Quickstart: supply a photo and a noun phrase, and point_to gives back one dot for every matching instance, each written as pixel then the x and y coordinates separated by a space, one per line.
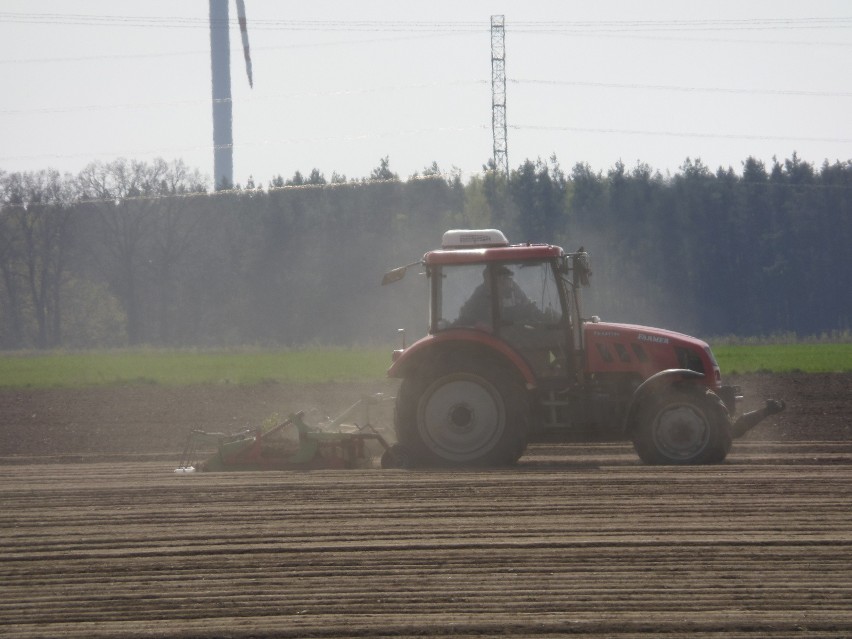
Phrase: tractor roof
pixel 463 246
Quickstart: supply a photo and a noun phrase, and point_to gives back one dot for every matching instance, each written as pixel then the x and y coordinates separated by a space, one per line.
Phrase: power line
pixel 405 38
pixel 261 98
pixel 680 134
pixel 257 24
pixel 752 24
pixel 688 89
pixel 434 85
pixel 695 38
pixel 206 52
pixel 429 30
pixel 658 27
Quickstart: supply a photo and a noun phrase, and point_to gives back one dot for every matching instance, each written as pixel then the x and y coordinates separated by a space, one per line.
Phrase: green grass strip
pixel 178 368
pixel 785 358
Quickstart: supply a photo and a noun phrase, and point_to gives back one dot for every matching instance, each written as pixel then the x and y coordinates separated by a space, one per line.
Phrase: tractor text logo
pixel 472 238
pixel 653 338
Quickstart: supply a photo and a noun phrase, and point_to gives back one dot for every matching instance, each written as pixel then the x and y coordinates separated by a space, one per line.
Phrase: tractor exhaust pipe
pixel 747 421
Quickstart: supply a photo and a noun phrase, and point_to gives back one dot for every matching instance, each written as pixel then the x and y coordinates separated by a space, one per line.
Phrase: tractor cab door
pixel 521 302
pixel 532 316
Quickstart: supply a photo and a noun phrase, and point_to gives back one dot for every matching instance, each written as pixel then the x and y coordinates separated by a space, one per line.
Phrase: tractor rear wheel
pixel 681 428
pixel 462 415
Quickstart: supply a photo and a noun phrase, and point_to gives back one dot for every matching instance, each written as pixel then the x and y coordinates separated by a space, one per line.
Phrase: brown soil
pixel 577 540
pixel 141 419
pixel 149 419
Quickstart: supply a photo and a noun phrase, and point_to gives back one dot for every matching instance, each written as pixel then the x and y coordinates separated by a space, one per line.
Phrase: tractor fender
pixel 460 343
pixel 654 384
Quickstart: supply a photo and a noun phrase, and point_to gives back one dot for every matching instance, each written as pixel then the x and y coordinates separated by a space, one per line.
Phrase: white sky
pixel 341 84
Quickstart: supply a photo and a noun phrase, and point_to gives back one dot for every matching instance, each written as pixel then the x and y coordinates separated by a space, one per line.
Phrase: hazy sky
pixel 339 85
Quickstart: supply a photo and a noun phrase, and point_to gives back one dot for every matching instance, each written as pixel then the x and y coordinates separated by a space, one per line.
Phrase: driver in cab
pixel 514 305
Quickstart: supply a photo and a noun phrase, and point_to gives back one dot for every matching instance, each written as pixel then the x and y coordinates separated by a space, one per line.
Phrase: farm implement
pixel 293 445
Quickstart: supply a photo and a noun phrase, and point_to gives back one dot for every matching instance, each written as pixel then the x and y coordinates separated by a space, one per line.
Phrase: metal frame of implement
pixel 323 447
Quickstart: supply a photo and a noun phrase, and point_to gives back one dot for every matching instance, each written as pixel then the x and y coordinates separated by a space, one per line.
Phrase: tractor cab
pixel 515 293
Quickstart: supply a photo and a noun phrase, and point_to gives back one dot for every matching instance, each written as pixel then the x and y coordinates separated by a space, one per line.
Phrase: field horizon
pixel 255 366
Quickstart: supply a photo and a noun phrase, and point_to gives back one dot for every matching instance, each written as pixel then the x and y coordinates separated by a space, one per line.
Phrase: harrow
pixel 293 445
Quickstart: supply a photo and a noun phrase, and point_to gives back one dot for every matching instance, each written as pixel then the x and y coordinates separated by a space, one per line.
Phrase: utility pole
pixel 498 93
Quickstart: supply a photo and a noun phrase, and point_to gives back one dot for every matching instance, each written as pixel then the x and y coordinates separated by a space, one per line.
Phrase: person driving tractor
pixel 514 305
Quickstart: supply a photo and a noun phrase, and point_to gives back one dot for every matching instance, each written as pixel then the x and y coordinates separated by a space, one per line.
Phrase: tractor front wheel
pixel 463 415
pixel 679 428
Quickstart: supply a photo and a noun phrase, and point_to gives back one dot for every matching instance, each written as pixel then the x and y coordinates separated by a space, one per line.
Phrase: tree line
pixel 132 253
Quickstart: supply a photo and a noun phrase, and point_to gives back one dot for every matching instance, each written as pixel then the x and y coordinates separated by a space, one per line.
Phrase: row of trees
pixel 130 253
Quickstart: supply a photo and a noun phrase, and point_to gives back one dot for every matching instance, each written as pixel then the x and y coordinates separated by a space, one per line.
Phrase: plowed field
pixel 577 540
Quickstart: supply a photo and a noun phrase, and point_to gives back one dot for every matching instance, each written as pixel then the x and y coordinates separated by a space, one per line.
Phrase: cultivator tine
pixel 191 448
pixel 188 455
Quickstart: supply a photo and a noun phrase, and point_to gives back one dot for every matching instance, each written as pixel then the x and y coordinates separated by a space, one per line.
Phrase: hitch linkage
pixel 749 420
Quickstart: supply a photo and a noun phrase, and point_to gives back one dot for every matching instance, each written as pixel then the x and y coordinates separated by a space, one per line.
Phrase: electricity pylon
pixel 498 93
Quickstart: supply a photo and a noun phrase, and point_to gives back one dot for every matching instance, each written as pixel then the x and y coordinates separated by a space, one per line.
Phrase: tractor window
pixel 525 293
pixel 455 285
pixel 530 294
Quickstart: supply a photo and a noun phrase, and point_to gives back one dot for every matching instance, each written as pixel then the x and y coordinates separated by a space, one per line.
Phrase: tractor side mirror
pixel 398 273
pixel 394 276
pixel 581 266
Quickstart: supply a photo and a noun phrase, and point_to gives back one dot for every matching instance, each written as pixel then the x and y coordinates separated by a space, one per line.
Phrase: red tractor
pixel 509 358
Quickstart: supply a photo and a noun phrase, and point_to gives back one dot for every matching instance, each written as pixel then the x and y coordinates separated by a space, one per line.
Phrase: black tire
pixel 462 415
pixel 719 412
pixel 679 427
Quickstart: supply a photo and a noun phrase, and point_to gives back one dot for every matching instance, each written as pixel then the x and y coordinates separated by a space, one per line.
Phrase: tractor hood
pixel 626 348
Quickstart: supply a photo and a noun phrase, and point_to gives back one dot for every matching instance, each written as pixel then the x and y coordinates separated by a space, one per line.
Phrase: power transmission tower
pixel 498 93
